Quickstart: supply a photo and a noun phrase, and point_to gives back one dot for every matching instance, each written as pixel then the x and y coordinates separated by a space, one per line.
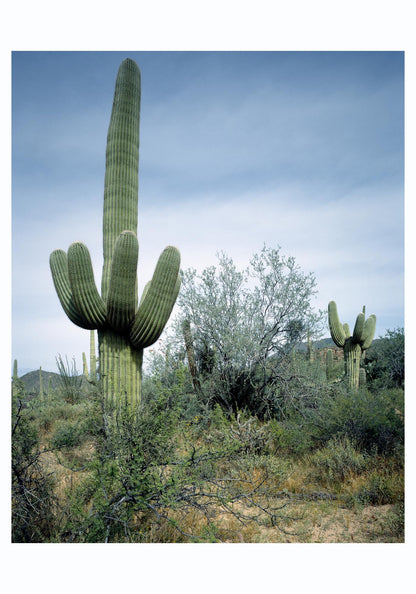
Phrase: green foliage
pixel 289 436
pixel 70 381
pixel 378 489
pixel 124 327
pixel 336 461
pixel 373 421
pixel 245 325
pixel 67 435
pixel 33 500
pixel 384 362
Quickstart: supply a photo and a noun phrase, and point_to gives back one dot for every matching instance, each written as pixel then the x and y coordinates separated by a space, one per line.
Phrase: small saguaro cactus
pixel 15 375
pixel 362 378
pixel 190 352
pixel 354 345
pixel 92 375
pixel 41 392
pixel 329 364
pixel 124 326
pixel 309 350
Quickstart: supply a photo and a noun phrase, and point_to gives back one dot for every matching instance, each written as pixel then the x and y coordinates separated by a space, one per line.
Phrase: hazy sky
pixel 302 150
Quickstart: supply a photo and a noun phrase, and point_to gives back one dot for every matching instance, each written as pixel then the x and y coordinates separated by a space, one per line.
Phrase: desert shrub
pixel 70 381
pixel 336 461
pixel 379 489
pixel 384 361
pixel 67 434
pixel 33 500
pixel 290 436
pixel 373 421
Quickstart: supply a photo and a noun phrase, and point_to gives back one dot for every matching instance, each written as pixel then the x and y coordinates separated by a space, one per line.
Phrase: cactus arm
pixel 121 299
pixel 368 332
pixel 58 262
pixel 81 278
pixel 145 290
pixel 357 334
pixel 335 326
pixel 122 164
pixel 157 304
pixel 346 330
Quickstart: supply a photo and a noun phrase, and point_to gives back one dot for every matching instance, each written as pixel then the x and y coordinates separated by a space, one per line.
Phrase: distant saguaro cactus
pixel 15 375
pixel 41 392
pixel 91 376
pixel 329 364
pixel 190 352
pixel 354 345
pixel 124 326
pixel 362 378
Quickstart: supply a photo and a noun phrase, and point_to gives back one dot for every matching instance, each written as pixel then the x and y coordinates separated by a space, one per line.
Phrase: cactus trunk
pixel 120 368
pixel 352 358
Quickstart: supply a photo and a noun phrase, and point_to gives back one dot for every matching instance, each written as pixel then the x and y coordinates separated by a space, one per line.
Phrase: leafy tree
pixel 246 325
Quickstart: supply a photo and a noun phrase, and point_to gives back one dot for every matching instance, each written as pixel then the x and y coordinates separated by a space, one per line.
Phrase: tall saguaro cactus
pixel 124 326
pixel 354 345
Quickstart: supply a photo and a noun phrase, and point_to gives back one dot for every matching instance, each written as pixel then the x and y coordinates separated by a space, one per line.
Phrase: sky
pixel 302 150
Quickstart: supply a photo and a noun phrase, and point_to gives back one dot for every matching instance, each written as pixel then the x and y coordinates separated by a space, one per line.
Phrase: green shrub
pixel 33 500
pixel 336 461
pixel 379 489
pixel 292 437
pixel 373 421
pixel 67 435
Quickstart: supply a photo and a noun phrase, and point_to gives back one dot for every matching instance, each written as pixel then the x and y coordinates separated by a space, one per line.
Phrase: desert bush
pixel 379 489
pixel 33 500
pixel 384 361
pixel 373 421
pixel 67 434
pixel 336 461
pixel 290 436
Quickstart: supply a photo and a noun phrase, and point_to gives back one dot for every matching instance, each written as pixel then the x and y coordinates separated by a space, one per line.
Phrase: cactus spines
pixel 354 345
pixel 124 326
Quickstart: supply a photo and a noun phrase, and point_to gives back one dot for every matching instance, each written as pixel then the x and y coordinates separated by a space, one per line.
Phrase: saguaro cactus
pixel 92 375
pixel 329 364
pixel 354 345
pixel 41 392
pixel 190 352
pixel 124 327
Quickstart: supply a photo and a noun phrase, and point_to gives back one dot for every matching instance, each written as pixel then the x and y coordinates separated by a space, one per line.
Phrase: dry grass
pixel 297 520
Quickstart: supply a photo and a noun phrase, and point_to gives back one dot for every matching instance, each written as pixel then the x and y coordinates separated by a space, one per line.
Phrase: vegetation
pixel 186 469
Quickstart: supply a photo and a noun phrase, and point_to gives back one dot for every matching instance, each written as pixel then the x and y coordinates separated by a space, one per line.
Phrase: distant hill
pixel 324 343
pixel 31 381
